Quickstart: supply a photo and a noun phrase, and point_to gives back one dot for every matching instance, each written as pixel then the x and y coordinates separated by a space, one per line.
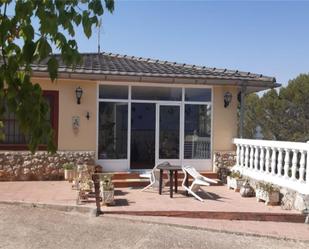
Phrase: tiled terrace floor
pixel 129 199
pixel 60 193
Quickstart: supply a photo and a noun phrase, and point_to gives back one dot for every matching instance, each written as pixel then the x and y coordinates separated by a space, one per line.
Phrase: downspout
pixel 242 110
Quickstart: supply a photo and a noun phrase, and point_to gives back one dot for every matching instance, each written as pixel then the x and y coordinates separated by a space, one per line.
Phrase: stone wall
pixel 223 162
pixel 23 165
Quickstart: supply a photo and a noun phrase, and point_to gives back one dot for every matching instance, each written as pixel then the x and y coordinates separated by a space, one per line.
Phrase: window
pixel 113 130
pixel 197 94
pixel 197 135
pixel 113 92
pixel 15 139
pixel 156 93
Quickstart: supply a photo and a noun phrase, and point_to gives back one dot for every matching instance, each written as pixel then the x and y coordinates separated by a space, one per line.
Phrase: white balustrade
pixel 285 164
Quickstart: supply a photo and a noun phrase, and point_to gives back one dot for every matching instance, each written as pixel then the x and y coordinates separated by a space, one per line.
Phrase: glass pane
pixel 169 132
pixel 198 94
pixel 143 131
pixel 113 130
pixel 156 93
pixel 113 92
pixel 197 137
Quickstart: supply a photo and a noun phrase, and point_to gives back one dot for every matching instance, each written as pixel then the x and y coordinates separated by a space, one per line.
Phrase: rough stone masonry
pixel 23 165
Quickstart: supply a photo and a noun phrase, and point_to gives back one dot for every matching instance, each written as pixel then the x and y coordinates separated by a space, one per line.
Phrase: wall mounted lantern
pixel 78 93
pixel 227 99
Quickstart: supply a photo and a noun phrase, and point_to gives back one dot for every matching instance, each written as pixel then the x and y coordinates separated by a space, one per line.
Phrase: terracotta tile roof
pixel 123 65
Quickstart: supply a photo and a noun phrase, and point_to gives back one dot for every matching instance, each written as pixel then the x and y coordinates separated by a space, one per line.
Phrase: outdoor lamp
pixel 227 99
pixel 79 93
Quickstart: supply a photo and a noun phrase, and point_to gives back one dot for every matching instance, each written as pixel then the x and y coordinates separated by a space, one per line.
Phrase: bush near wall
pixel 23 165
pixel 223 162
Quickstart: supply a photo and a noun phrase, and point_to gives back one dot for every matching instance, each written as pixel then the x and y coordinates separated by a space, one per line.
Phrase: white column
pixel 246 156
pixel 273 160
pixel 307 166
pixel 279 173
pixel 302 166
pixel 267 160
pixel 256 157
pixel 251 156
pixel 286 163
pixel 242 153
pixel 294 164
pixel 237 155
pixel 262 159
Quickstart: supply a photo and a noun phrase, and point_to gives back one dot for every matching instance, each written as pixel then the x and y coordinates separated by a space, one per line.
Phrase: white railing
pixel 285 164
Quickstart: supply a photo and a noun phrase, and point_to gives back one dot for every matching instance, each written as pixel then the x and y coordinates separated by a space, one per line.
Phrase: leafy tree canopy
pixel 282 115
pixel 22 44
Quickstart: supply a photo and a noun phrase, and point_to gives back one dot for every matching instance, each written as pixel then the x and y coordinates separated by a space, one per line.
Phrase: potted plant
pixel 68 171
pixel 267 192
pixel 107 189
pixel 235 180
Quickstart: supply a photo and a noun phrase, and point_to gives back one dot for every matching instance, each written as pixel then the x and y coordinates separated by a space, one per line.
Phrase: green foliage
pixel 22 44
pixel 68 166
pixel 267 187
pixel 236 175
pixel 281 115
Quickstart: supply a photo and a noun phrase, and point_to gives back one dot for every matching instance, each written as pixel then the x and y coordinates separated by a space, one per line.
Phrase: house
pixel 132 112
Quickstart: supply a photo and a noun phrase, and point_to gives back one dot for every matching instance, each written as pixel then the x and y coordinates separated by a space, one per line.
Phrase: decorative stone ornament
pixel 246 190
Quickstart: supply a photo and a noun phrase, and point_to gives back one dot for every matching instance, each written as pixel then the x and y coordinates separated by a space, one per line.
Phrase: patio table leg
pixel 187 185
pixel 171 183
pixel 160 181
pixel 176 181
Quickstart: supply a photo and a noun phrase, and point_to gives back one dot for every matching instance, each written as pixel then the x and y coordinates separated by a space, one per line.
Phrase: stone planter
pixel 69 174
pixel 270 198
pixel 107 197
pixel 234 183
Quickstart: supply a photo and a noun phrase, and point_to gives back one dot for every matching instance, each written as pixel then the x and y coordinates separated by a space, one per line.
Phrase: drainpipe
pixel 242 110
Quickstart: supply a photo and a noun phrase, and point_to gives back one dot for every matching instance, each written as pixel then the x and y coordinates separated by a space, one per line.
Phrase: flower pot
pixel 107 197
pixel 270 198
pixel 234 183
pixel 68 174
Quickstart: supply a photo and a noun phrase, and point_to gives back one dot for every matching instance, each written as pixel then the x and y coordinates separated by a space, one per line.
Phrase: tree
pixel 22 44
pixel 282 115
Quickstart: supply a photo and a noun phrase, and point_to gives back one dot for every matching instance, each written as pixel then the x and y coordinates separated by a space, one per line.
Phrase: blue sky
pixel 269 37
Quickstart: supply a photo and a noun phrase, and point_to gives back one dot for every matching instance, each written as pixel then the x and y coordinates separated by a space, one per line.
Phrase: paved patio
pixel 134 200
pixel 130 202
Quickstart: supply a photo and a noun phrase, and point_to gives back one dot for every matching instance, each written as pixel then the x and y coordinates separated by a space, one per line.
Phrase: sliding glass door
pixel 169 132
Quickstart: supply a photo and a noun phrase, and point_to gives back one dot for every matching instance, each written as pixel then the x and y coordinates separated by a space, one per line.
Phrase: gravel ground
pixel 25 227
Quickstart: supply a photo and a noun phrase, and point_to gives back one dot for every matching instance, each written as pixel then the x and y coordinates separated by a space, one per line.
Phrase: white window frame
pixel 124 164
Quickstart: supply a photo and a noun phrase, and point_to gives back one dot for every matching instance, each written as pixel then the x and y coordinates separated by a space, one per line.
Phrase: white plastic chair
pixel 198 182
pixel 154 177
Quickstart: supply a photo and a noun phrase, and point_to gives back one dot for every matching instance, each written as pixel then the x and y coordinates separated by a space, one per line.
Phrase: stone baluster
pixel 280 159
pixel 294 164
pixel 246 156
pixel 256 157
pixel 273 160
pixel 242 153
pixel 262 159
pixel 251 156
pixel 286 163
pixel 302 166
pixel 237 155
pixel 267 160
pixel 307 166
